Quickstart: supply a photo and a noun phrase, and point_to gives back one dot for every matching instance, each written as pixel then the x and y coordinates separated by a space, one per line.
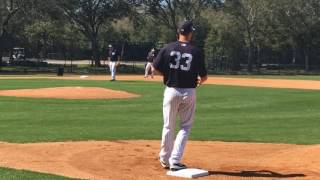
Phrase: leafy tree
pixel 223 45
pixel 90 15
pixel 248 15
pixel 301 24
pixel 43 33
pixel 170 12
pixel 231 31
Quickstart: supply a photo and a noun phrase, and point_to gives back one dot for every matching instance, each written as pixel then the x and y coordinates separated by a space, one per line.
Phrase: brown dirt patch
pixel 268 83
pixel 138 159
pixel 69 93
pixel 248 82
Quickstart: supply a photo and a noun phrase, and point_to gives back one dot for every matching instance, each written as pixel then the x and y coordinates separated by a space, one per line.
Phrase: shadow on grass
pixel 263 173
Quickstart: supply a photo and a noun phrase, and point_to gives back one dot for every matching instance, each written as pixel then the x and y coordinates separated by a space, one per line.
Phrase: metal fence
pixel 72 54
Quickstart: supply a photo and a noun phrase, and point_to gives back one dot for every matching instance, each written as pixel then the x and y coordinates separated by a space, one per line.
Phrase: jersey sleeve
pixel 202 67
pixel 149 57
pixel 158 62
pixel 110 53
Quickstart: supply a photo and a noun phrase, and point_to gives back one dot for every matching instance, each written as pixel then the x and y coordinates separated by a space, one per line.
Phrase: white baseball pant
pixel 182 102
pixel 112 66
pixel 148 68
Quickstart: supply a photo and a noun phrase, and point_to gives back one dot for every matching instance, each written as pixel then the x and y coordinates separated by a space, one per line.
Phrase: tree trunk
pixel 306 60
pixel 250 50
pixel 258 58
pixel 95 51
pixel 250 58
pixel 1 54
pixel 1 47
pixel 45 47
pixel 294 55
pixel 122 50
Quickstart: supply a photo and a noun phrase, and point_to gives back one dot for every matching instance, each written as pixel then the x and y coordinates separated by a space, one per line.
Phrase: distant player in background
pixel 113 61
pixel 149 67
pixel 183 69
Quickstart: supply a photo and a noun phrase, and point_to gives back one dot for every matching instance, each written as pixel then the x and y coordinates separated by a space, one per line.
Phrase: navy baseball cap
pixel 185 27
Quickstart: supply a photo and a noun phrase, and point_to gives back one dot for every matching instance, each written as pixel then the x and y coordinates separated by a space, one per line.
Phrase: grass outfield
pixel 223 113
pixel 10 174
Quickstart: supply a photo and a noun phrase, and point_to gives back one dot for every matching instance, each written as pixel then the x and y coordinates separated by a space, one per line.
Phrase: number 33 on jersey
pixel 182 61
pixel 180 64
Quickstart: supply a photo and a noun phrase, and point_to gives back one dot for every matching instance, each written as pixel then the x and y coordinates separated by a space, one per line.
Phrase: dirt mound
pixel 138 159
pixel 69 93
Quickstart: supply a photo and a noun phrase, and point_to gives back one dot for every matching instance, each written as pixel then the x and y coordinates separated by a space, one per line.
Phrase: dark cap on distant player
pixel 185 27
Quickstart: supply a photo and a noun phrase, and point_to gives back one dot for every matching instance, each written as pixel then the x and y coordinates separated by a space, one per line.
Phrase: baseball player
pixel 149 66
pixel 113 61
pixel 183 69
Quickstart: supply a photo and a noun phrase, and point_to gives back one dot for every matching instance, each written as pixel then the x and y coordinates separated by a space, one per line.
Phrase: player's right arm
pixel 149 57
pixel 158 63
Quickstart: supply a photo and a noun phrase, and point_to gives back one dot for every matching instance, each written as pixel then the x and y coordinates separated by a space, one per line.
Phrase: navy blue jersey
pixel 113 54
pixel 151 56
pixel 181 64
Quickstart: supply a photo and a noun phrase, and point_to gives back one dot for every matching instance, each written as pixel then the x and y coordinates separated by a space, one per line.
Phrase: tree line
pixel 239 33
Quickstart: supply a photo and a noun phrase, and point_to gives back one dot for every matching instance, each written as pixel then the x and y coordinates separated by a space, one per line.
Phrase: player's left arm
pixel 202 69
pixel 118 59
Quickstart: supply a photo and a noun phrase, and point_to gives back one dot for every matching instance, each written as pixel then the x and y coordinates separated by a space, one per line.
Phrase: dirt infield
pixel 248 82
pixel 138 159
pixel 69 93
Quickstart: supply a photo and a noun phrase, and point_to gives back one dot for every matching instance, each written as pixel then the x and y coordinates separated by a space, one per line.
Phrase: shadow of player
pixel 262 173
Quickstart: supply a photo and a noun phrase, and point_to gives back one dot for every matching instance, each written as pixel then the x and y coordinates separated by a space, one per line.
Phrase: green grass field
pixel 224 113
pixel 10 174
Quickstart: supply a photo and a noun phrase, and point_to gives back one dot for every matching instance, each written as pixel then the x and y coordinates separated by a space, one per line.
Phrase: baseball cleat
pixel 164 164
pixel 177 167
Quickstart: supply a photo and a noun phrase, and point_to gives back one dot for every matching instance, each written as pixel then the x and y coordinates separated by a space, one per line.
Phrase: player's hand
pixel 198 81
pixel 201 80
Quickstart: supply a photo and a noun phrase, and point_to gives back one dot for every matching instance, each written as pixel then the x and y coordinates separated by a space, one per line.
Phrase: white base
pixel 84 76
pixel 189 173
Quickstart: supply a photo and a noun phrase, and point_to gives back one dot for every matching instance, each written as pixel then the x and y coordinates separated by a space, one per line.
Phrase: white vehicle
pixel 18 54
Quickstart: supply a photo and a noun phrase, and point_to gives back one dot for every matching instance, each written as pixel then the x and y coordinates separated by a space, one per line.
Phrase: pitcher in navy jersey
pixel 113 61
pixel 183 69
